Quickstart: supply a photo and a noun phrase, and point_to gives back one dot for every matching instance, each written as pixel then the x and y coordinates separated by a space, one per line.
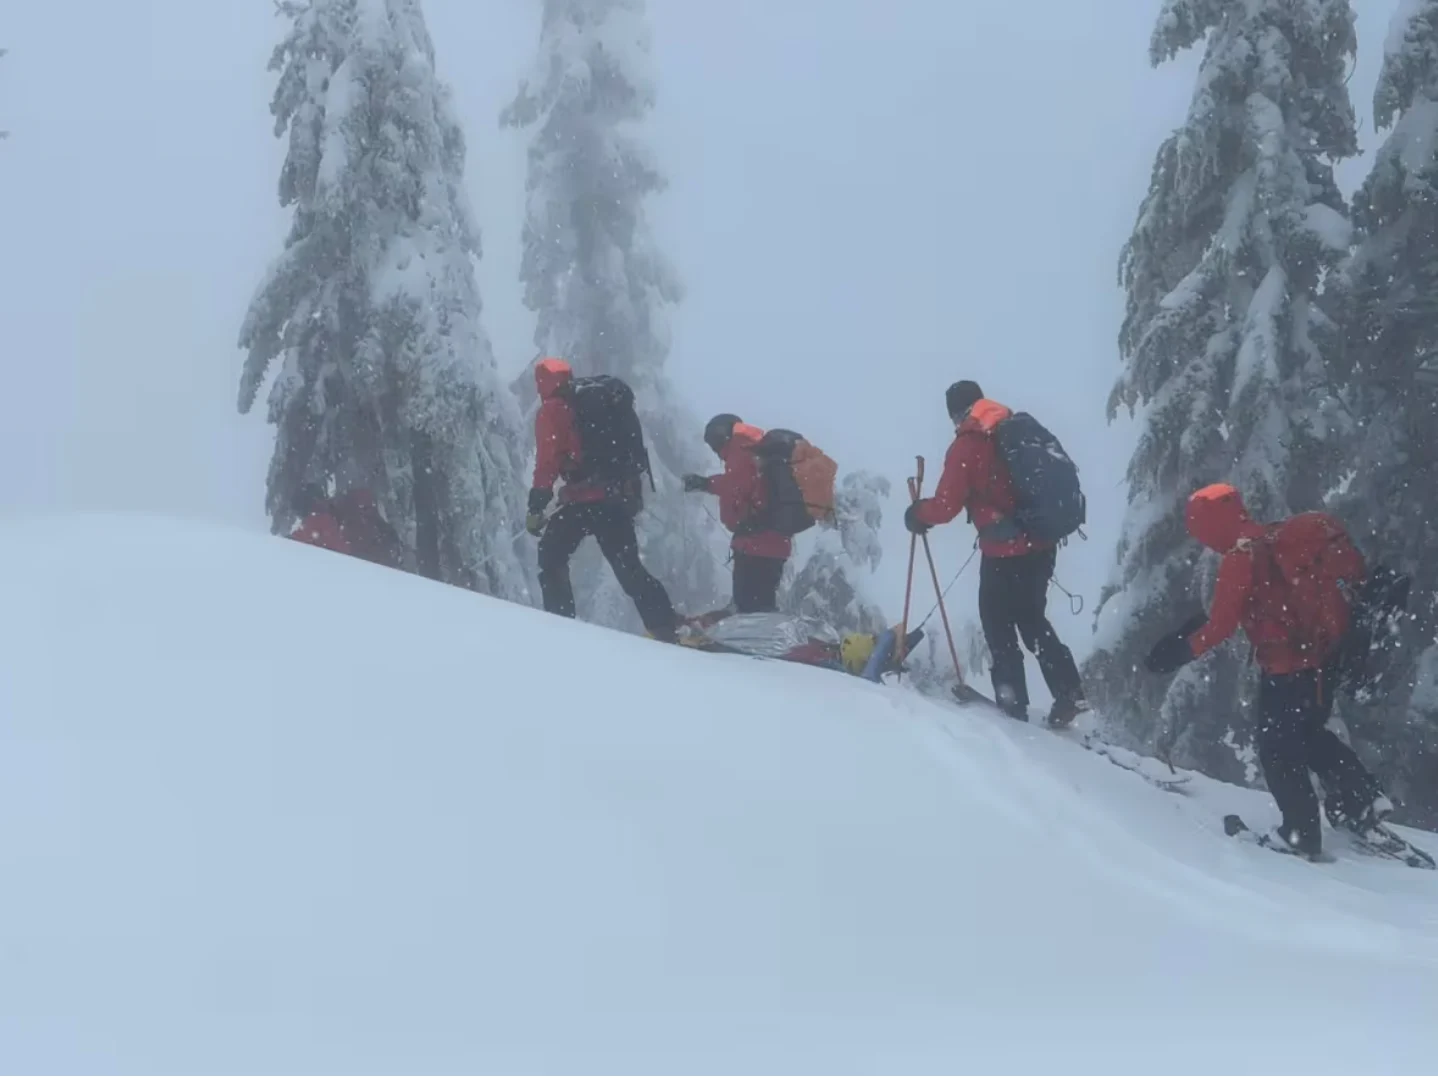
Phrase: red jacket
pixel 321 529
pixel 743 496
pixel 351 524
pixel 556 438
pixel 976 479
pixel 1216 517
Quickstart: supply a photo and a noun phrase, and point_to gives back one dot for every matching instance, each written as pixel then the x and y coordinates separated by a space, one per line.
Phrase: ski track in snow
pixel 266 808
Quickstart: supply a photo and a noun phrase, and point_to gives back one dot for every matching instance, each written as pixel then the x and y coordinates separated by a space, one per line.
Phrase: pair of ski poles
pixel 916 486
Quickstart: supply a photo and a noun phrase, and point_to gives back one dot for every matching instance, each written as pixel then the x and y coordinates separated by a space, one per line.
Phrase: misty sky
pixel 869 200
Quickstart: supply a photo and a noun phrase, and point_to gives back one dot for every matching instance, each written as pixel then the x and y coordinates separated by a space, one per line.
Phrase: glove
pixel 693 483
pixel 534 524
pixel 912 521
pixel 539 499
pixel 1174 650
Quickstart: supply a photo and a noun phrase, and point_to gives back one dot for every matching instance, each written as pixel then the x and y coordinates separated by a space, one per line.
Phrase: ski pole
pixel 915 485
pixel 943 612
pixel 947 587
pixel 504 548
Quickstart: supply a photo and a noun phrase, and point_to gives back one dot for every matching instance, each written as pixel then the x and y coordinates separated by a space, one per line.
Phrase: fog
pixel 868 201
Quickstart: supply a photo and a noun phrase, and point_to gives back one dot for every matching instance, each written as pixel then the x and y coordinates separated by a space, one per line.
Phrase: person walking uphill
pixel 1284 584
pixel 1018 540
pixel 759 552
pixel 587 434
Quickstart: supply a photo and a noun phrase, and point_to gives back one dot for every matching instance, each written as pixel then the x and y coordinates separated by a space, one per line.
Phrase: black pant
pixel 613 526
pixel 756 583
pixel 1013 596
pixel 1293 740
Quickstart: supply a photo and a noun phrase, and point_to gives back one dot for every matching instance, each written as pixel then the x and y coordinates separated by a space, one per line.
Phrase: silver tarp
pixel 769 635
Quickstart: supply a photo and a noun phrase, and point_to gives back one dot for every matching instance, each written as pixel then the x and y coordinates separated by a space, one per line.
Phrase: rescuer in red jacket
pixel 349 523
pixel 1295 648
pixel 1014 571
pixel 589 504
pixel 759 553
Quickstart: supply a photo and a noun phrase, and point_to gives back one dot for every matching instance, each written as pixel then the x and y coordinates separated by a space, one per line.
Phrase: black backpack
pixel 784 510
pixel 798 480
pixel 1050 504
pixel 1375 634
pixel 611 440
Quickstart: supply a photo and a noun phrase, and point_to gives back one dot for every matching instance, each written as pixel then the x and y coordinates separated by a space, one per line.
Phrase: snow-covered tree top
pixel 1291 51
pixel 597 49
pixel 380 174
pixel 1410 62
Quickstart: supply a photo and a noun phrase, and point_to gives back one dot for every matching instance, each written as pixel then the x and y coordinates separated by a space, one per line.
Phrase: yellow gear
pixel 855 650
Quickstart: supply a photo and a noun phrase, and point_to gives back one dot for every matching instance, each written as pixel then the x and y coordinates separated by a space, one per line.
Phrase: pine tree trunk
pixel 291 474
pixel 426 506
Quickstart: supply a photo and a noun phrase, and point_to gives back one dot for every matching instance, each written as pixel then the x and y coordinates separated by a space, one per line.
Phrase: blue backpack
pixel 1051 506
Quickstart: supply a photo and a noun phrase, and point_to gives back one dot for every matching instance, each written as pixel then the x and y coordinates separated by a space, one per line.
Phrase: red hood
pixel 1217 519
pixel 984 416
pixel 549 375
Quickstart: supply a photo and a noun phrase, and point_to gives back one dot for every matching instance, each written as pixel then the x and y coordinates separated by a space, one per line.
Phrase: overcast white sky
pixel 869 200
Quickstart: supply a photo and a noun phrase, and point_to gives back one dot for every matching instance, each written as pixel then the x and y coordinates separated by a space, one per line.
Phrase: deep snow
pixel 267 808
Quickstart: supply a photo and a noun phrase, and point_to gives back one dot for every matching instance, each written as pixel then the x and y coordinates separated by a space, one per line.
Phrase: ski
pixel 1386 843
pixel 1383 841
pixel 1234 827
pixel 965 693
pixel 1132 761
pixel 1121 758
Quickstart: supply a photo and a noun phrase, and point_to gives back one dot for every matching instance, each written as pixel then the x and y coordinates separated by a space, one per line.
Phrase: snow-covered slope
pixel 266 808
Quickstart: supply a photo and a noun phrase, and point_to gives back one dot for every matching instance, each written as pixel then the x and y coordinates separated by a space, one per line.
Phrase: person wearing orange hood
pixel 1295 623
pixel 759 552
pixel 1015 570
pixel 603 506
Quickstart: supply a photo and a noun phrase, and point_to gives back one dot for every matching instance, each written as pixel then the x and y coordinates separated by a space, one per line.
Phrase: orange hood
pixel 745 436
pixel 984 416
pixel 549 375
pixel 1217 518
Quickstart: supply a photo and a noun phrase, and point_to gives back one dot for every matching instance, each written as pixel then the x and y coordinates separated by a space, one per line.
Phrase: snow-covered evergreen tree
pixel 1389 305
pixel 600 287
pixel 385 376
pixel 1225 346
pixel 830 585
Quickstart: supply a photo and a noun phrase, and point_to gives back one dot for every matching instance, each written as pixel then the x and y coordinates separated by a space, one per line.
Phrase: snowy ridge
pixel 235 841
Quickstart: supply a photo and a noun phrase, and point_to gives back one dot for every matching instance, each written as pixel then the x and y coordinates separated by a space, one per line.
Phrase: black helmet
pixel 719 430
pixel 962 396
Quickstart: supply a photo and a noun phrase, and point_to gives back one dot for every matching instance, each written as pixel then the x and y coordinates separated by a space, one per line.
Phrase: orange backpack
pixel 815 472
pixel 1311 565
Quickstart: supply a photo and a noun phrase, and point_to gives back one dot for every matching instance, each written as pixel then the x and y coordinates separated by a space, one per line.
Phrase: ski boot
pixel 1009 703
pixel 1373 816
pixel 1290 839
pixel 1063 713
pixel 1361 822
